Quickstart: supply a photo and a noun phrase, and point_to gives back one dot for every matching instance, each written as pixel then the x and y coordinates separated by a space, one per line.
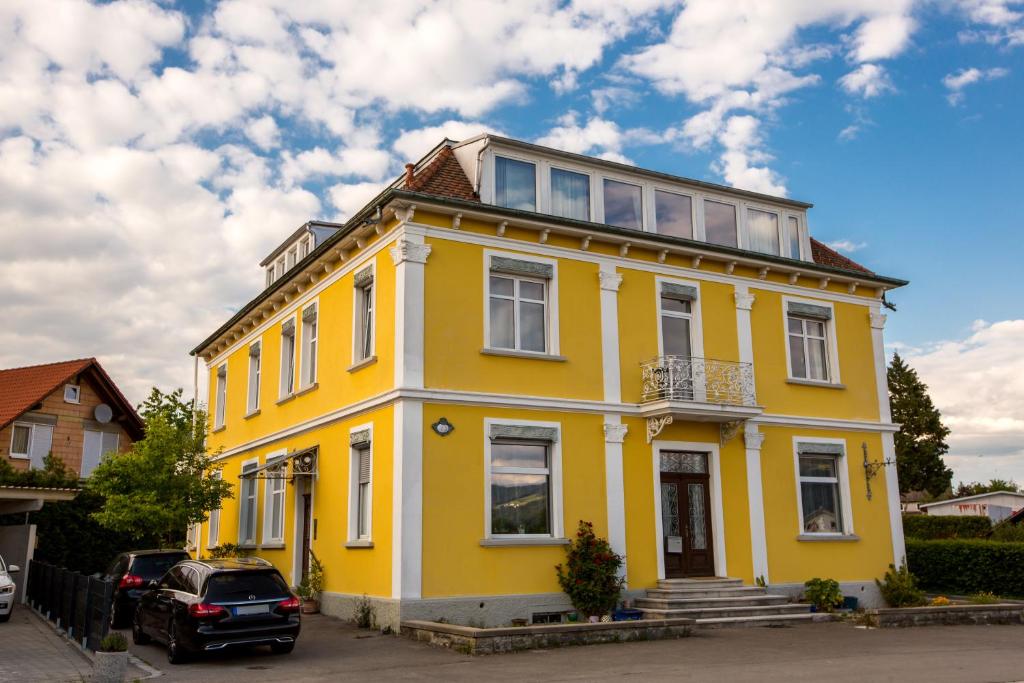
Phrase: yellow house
pixel 510 339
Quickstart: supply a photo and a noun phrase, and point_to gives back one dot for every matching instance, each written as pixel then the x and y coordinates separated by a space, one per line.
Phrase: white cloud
pixel 848 246
pixel 348 198
pixel 867 80
pixel 957 81
pixel 263 132
pixel 883 37
pixel 978 385
pixel 741 141
pixel 411 145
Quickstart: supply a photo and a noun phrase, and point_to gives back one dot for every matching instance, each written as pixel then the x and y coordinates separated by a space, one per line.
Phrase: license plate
pixel 245 610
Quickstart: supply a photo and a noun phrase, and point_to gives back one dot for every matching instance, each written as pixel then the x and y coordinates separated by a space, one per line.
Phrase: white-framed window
pixel 213 527
pixel 793 238
pixel 521 301
pixel 21 440
pixel 247 505
pixel 364 305
pixel 270 275
pixel 220 411
pixel 720 223
pixel 677 310
pixel 522 464
pixel 96 444
pixel 811 350
pixel 673 214
pixel 279 268
pixel 515 183
pixel 255 371
pixel 192 537
pixel 823 488
pixel 309 345
pixel 287 383
pixel 31 441
pixel 304 247
pixel 291 255
pixel 273 502
pixel 623 204
pixel 360 517
pixel 763 231
pixel 570 194
pixel 72 393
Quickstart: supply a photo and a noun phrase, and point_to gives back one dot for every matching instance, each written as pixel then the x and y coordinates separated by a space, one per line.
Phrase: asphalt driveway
pixel 331 650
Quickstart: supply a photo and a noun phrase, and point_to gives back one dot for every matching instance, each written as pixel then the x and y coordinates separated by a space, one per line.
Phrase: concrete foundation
pixel 867 593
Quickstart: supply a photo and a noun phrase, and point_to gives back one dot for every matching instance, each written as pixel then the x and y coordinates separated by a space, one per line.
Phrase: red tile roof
pixel 829 257
pixel 443 177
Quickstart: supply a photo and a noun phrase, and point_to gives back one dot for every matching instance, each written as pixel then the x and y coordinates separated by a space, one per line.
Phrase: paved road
pixel 330 650
pixel 30 650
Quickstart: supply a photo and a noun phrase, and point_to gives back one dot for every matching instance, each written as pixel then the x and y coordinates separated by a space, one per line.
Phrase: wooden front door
pixel 686 515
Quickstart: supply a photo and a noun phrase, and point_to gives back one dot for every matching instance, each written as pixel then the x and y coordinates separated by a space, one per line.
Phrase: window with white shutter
pixel 360 527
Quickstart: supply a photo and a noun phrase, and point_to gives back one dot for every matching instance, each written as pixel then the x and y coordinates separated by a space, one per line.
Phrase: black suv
pixel 131 573
pixel 207 605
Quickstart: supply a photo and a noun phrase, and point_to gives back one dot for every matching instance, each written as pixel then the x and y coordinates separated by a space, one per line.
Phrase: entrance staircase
pixel 719 601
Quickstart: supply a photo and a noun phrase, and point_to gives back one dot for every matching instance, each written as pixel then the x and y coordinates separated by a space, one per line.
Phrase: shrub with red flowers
pixel 590 575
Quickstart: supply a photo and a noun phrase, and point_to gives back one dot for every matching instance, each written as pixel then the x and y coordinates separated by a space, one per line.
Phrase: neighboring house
pixel 510 339
pixel 997 506
pixel 910 502
pixel 71 408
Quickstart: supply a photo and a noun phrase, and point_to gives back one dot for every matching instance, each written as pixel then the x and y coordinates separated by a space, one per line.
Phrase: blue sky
pixel 165 148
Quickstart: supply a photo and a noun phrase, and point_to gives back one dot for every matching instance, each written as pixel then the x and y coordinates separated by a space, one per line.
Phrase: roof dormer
pixel 293 250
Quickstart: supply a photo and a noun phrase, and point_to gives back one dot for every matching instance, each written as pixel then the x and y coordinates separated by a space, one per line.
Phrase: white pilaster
pixel 614 434
pixel 410 257
pixel 892 483
pixel 744 302
pixel 753 439
pixel 407 506
pixel 610 282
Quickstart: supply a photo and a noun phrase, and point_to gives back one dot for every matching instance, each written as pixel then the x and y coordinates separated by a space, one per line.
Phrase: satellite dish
pixel 103 413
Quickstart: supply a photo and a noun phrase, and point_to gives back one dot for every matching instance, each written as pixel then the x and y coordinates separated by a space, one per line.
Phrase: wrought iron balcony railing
pixel 683 378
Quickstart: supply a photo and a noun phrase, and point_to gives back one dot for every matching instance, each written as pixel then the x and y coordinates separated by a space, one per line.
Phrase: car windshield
pixel 154 566
pixel 229 586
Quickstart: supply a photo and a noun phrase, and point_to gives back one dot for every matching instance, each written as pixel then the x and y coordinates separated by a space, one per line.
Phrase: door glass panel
pixel 690 463
pixel 676 336
pixel 698 527
pixel 670 509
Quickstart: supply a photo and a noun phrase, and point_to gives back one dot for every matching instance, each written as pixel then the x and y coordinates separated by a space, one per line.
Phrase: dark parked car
pixel 131 573
pixel 207 605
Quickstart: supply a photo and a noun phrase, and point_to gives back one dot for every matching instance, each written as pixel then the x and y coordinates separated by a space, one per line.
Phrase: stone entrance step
pixel 768 620
pixel 708 582
pixel 700 613
pixel 720 601
pixel 699 601
pixel 724 592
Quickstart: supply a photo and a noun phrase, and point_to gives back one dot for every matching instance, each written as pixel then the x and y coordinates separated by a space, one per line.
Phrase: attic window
pixel 72 393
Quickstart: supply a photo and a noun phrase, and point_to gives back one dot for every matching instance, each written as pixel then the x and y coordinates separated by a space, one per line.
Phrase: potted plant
pixel 591 574
pixel 311 586
pixel 823 594
pixel 111 661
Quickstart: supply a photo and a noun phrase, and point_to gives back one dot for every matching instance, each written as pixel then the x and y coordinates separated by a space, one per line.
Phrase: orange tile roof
pixel 443 177
pixel 830 257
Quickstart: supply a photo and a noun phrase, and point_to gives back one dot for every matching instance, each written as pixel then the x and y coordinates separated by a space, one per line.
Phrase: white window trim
pixel 555 476
pixel 250 409
pixel 831 342
pixel 714 490
pixel 31 437
pixel 220 409
pixel 592 182
pixel 780 229
pixel 696 324
pixel 77 391
pixel 268 522
pixel 292 254
pixel 304 381
pixel 242 504
pixel 801 231
pixel 740 209
pixel 845 503
pixel 652 224
pixel 493 184
pixel 353 489
pixel 357 315
pixel 213 530
pixel 645 190
pixel 551 314
pixel 282 390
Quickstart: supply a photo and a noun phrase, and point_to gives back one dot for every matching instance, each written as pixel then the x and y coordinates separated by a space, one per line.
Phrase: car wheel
pixel 6 617
pixel 138 636
pixel 176 653
pixel 282 648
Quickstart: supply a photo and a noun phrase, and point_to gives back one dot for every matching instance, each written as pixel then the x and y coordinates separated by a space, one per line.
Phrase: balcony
pixel 698 389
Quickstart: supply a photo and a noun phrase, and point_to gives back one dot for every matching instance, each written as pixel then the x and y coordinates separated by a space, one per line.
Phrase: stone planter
pixel 310 606
pixel 109 667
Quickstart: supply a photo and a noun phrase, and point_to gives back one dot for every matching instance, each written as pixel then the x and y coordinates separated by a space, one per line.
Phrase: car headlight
pixel 4 590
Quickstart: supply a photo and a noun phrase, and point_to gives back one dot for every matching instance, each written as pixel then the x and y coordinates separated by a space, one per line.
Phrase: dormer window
pixel 673 214
pixel 279 268
pixel 515 184
pixel 794 237
pixel 623 206
pixel 719 223
pixel 304 247
pixel 570 194
pixel 763 231
pixel 72 393
pixel 292 253
pixel 270 276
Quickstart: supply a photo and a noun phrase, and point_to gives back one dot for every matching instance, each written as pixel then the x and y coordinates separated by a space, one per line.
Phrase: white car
pixel 7 589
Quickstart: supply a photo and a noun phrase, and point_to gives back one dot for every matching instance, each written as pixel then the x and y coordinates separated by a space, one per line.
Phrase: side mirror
pixel 13 569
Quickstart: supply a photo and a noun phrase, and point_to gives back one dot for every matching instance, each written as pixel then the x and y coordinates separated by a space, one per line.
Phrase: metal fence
pixel 77 603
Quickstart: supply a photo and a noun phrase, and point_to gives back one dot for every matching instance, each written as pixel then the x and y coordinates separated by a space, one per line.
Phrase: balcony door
pixel 677 345
pixel 687 541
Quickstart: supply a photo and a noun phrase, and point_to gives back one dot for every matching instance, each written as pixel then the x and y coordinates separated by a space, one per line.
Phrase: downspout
pixel 480 165
pixel 195 387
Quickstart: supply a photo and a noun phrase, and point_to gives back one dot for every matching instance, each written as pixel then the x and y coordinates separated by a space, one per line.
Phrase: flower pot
pixel 110 667
pixel 310 606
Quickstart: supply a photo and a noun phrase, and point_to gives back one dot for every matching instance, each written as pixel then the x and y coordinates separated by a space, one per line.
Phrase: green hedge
pixel 963 567
pixel 926 527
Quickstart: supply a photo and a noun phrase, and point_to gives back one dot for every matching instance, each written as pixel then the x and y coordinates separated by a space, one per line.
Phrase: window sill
pixel 272 546
pixel 286 398
pixel 815 383
pixel 18 456
pixel 306 390
pixel 358 365
pixel 825 538
pixel 252 414
pixel 248 546
pixel 219 429
pixel 499 542
pixel 509 353
pixel 360 543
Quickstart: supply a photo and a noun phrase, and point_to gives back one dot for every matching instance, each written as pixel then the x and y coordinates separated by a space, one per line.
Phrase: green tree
pixel 974 488
pixel 162 484
pixel 921 441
